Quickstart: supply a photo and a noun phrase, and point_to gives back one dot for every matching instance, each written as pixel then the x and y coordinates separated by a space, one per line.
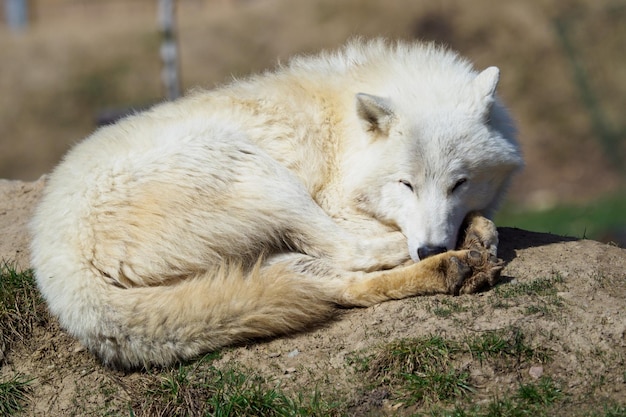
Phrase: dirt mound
pixel 566 296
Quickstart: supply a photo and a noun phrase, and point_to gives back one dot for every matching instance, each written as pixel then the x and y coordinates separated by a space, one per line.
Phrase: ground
pixel 565 299
pixel 564 296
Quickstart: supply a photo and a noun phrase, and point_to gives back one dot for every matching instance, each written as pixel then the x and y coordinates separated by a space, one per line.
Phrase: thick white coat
pixel 185 228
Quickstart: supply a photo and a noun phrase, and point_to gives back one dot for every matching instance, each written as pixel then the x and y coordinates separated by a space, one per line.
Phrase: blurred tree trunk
pixel 169 49
pixel 16 13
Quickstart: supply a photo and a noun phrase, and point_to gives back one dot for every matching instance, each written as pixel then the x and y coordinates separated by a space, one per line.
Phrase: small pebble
pixel 536 371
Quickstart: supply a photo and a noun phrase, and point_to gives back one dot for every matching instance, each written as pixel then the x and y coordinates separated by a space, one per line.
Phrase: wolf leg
pixel 454 272
pixel 479 233
pixel 320 238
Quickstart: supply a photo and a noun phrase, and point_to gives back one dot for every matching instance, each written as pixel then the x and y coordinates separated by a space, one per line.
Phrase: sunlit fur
pixel 254 209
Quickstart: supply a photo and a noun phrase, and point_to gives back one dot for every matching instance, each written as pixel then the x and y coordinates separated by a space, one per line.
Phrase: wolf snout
pixel 424 252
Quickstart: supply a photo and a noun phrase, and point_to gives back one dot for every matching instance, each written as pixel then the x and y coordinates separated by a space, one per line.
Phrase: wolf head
pixel 430 155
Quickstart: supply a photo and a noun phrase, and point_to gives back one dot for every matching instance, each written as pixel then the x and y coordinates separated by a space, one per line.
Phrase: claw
pixel 475 255
pixel 479 233
pixel 479 267
pixel 478 270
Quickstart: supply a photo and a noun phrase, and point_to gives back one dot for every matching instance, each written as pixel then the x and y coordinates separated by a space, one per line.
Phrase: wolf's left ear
pixel 486 83
pixel 375 113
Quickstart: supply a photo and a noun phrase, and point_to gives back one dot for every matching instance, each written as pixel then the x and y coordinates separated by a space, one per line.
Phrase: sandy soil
pixel 583 326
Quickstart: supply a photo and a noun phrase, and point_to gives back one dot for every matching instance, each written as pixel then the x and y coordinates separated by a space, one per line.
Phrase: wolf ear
pixel 375 113
pixel 486 83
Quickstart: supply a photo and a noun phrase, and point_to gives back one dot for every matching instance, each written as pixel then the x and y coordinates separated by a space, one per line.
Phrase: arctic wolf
pixel 255 209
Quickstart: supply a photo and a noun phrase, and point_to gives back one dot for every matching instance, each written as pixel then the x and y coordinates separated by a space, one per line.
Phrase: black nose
pixel 426 251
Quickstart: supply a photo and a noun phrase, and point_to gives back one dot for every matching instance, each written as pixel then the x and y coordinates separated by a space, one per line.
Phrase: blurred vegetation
pixel 563 77
pixel 601 219
pixel 612 138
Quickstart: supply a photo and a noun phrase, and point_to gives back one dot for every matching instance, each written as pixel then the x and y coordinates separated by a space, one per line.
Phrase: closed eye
pixel 407 184
pixel 458 184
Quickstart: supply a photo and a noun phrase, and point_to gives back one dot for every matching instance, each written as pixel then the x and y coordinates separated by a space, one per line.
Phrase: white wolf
pixel 255 209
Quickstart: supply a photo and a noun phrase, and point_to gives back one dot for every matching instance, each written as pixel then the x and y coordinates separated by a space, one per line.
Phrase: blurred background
pixel 66 63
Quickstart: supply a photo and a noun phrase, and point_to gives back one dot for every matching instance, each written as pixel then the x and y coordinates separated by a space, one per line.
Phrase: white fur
pixel 150 239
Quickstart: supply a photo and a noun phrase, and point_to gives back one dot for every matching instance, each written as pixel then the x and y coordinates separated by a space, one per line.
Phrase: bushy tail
pixel 163 324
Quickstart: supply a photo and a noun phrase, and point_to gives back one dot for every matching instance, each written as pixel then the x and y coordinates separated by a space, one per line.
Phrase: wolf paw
pixel 469 271
pixel 479 234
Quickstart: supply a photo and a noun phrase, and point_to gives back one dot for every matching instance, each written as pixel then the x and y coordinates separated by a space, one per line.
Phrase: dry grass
pixel 433 369
pixel 21 306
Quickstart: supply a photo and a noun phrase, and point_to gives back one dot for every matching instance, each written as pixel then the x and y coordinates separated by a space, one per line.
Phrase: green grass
pixel 538 296
pixel 20 305
pixel 434 376
pixel 507 346
pixel 447 307
pixel 428 370
pixel 592 220
pixel 545 392
pixel 539 287
pixel 209 391
pixel 610 410
pixel 20 309
pixel 422 369
pixel 531 399
pixel 13 395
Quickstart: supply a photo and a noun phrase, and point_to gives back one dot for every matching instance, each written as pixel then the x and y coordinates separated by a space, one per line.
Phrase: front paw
pixel 469 271
pixel 479 233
